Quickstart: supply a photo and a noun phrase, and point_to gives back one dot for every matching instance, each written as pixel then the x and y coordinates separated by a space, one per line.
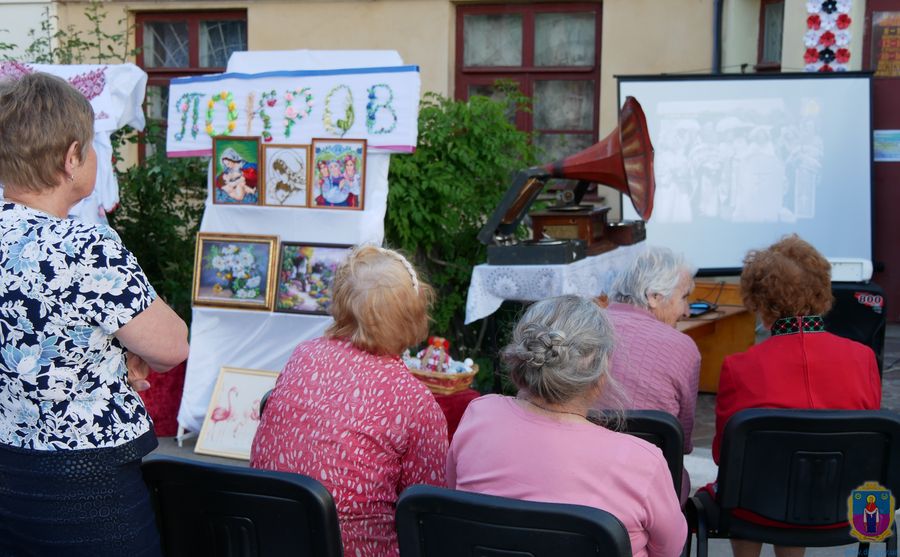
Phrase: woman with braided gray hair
pixel 540 446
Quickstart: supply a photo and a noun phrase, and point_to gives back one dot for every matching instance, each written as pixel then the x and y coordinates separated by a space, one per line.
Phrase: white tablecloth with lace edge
pixel 591 276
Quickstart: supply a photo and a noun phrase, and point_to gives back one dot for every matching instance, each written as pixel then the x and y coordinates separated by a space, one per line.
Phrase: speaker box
pixel 858 314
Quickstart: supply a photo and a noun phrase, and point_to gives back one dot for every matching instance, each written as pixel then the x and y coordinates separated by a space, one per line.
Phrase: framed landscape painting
pixel 338 174
pixel 306 276
pixel 285 175
pixel 235 270
pixel 233 413
pixel 236 170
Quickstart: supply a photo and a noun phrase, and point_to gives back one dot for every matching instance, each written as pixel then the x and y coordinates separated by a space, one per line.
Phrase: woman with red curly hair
pixel 801 365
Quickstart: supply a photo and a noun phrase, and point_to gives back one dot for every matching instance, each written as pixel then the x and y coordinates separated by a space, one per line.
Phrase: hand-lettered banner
pixel 377 104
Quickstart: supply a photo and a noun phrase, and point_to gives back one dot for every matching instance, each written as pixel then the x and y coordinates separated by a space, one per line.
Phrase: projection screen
pixel 742 160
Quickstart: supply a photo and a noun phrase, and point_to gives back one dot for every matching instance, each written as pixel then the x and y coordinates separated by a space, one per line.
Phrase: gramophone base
pixel 557 252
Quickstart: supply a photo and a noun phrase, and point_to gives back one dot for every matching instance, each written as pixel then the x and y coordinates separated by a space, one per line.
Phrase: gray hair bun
pixel 542 346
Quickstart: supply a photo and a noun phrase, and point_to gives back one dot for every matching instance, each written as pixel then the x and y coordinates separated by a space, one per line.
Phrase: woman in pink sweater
pixel 539 446
pixel 656 366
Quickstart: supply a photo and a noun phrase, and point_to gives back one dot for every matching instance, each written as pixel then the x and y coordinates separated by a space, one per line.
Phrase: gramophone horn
pixel 623 160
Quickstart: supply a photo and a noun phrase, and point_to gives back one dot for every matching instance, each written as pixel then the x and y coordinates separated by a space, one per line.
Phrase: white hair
pixel 656 270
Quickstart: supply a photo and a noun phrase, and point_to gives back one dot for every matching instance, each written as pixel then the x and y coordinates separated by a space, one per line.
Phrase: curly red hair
pixel 788 278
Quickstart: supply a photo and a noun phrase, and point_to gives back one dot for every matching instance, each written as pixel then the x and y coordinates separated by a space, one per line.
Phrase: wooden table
pixel 729 329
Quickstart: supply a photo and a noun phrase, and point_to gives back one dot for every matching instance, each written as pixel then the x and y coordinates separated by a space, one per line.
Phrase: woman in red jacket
pixel 801 365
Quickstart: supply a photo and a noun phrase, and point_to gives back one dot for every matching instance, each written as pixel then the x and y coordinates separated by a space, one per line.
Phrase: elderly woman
pixel 347 412
pixel 79 317
pixel 656 366
pixel 540 446
pixel 801 365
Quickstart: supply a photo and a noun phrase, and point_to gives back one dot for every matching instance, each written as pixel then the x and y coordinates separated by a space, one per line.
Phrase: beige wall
pixel 740 35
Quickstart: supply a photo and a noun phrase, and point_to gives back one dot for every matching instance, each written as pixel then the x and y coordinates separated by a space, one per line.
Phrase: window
pixel 552 51
pixel 177 44
pixel 771 25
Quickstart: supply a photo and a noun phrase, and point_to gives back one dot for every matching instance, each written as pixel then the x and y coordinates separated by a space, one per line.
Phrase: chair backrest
pixel 437 522
pixel 214 510
pixel 657 427
pixel 799 466
pixel 264 400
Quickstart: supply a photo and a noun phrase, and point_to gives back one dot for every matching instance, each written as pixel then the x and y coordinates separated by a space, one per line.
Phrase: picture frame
pixel 234 270
pixel 233 412
pixel 285 175
pixel 338 174
pixel 236 179
pixel 306 276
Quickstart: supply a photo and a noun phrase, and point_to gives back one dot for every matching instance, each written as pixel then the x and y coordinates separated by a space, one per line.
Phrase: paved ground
pixel 699 463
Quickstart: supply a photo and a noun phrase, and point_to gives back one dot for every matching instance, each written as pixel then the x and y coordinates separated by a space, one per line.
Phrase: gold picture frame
pixel 235 271
pixel 233 412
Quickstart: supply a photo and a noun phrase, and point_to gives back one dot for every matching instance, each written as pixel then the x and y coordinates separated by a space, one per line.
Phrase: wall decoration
pixel 886 44
pixel 886 145
pixel 285 175
pixel 338 174
pixel 827 38
pixel 377 104
pixel 236 167
pixel 233 413
pixel 234 270
pixel 306 275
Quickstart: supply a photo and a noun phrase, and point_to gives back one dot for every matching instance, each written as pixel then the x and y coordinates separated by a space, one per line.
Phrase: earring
pixel 71 178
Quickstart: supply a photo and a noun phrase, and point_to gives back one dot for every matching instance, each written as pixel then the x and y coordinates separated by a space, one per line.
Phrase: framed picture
pixel 285 175
pixel 338 174
pixel 236 170
pixel 233 413
pixel 234 270
pixel 306 276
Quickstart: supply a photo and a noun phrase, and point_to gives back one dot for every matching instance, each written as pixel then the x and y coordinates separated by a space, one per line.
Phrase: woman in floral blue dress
pixel 79 324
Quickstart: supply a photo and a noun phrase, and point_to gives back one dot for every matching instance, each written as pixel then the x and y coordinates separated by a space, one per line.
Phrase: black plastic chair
pixel 264 400
pixel 657 427
pixel 217 511
pixel 797 467
pixel 437 522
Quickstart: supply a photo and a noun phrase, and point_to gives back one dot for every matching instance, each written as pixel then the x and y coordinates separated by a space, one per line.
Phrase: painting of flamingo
pixel 233 413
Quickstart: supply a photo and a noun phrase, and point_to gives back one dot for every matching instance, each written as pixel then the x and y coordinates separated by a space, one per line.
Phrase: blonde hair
pixel 380 303
pixel 41 115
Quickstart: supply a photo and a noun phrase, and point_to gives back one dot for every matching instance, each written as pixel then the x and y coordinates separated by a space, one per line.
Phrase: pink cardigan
pixel 502 449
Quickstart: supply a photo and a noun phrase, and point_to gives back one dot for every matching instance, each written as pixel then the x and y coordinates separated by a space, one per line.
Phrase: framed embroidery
pixel 338 174
pixel 235 170
pixel 285 175
pixel 306 276
pixel 234 270
pixel 233 413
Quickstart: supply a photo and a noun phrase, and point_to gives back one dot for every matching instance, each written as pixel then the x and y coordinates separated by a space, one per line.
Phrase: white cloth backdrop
pixel 259 339
pixel 591 276
pixel 116 93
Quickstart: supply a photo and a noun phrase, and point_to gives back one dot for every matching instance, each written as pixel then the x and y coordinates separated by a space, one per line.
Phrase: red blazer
pixel 798 367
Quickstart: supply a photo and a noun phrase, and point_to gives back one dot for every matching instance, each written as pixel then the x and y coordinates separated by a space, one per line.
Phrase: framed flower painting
pixel 236 170
pixel 306 276
pixel 285 175
pixel 338 174
pixel 233 413
pixel 234 270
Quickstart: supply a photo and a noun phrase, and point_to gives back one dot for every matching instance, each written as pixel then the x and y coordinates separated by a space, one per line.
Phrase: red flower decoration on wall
pixel 811 56
pixel 842 56
pixel 843 21
pixel 813 21
pixel 826 68
pixel 827 38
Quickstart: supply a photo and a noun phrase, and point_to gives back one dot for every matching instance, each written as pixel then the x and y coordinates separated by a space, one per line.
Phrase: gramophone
pixel 569 231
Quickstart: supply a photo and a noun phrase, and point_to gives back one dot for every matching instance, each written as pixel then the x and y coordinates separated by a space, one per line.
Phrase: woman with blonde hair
pixel 80 324
pixel 540 445
pixel 800 365
pixel 347 412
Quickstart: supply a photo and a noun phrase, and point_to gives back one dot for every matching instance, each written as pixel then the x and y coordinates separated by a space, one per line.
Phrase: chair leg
pixel 696 516
pixel 863 550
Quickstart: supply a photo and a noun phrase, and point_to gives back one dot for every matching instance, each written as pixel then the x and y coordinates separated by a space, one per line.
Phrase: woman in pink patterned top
pixel 347 412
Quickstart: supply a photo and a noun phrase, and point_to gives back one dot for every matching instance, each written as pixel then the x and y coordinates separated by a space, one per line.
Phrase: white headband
pixel 407 264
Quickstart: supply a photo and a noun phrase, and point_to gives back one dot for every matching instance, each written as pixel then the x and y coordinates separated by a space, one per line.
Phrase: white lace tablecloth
pixel 591 276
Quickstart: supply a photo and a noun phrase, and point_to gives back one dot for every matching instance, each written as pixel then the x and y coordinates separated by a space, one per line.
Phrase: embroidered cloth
pixel 792 325
pixel 65 288
pixel 591 276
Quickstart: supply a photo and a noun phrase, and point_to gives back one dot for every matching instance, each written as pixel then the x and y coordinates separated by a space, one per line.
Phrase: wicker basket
pixel 445 383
